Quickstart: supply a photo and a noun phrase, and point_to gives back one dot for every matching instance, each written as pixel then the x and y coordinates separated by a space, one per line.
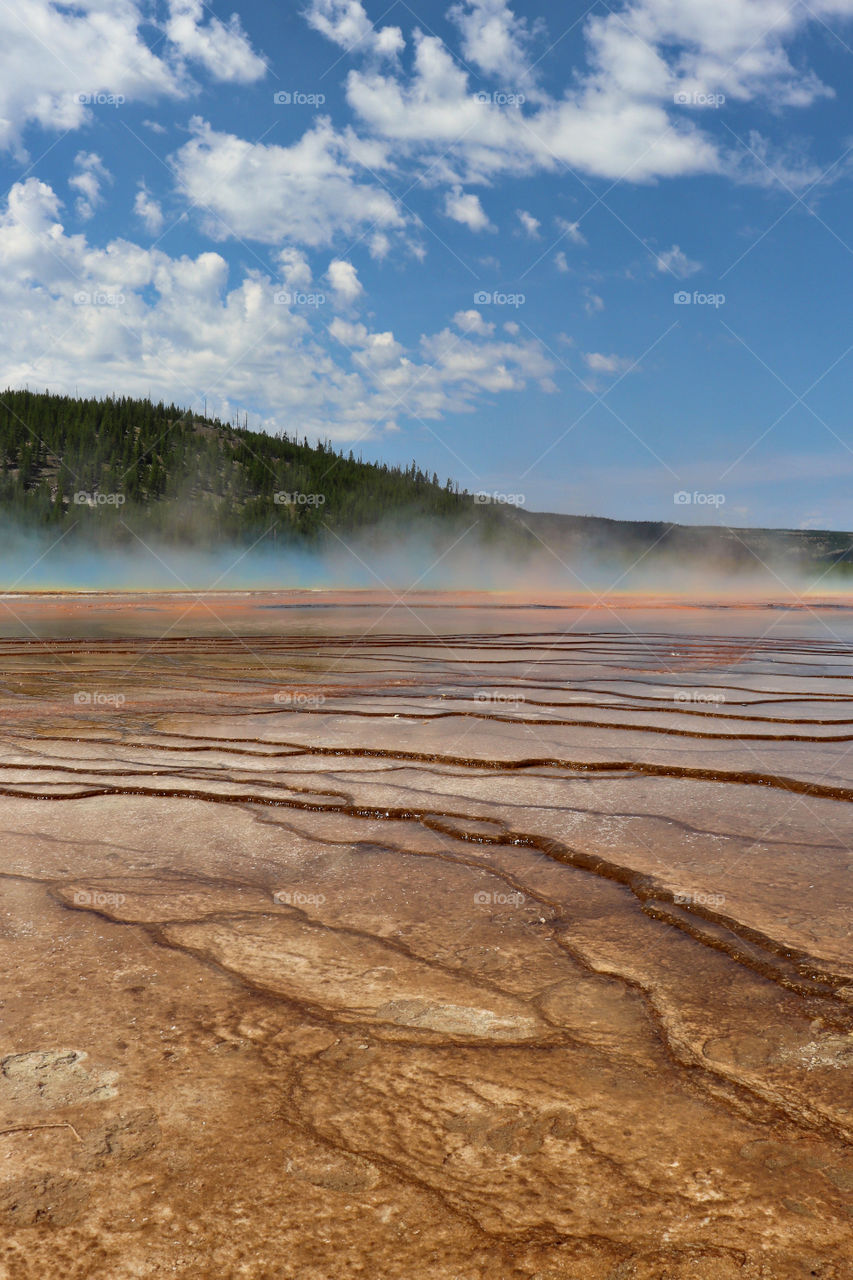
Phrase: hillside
pixel 107 471
pixel 722 548
pixel 102 465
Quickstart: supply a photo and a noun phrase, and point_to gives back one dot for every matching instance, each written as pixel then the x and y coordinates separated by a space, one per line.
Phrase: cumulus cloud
pixel 494 39
pixel 632 110
pixel 596 128
pixel 67 55
pixel 379 245
pixel 530 224
pixel 343 278
pixel 472 322
pixel 737 48
pixel 436 105
pixel 461 368
pixel 222 49
pixel 593 304
pixel 636 111
pixel 452 374
pixel 346 23
pixel 308 192
pixel 677 263
pixel 465 207
pixel 295 268
pixel 377 351
pixel 89 176
pixel 600 363
pixel 125 318
pixel 148 210
pixel 571 231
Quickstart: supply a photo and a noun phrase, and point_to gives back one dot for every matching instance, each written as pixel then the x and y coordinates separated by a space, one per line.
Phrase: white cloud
pixel 308 192
pixel 132 319
pixel 455 371
pixel 472 322
pixel 530 224
pixel 462 368
pixel 379 245
pixel 600 363
pixel 594 304
pixel 596 128
pixel 295 269
pixel 224 50
pixel 466 208
pixel 562 262
pixel 677 263
pixel 618 119
pixel 435 106
pixel 90 174
pixel 786 165
pixel 344 280
pixel 64 54
pixel 61 55
pixel 148 209
pixel 638 110
pixel 375 352
pixel 571 230
pixel 735 46
pixel 346 23
pixel 494 39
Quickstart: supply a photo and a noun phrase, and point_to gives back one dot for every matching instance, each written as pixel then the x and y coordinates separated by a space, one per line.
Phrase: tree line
pixel 112 465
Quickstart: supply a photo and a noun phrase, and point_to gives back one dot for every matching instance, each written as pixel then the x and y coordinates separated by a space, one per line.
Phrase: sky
pixel 595 259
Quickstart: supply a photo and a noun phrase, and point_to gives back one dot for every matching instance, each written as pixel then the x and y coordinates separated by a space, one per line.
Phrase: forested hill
pixel 105 464
pixel 108 471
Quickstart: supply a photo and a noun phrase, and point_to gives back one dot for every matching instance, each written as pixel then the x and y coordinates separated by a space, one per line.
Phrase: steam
pixel 409 557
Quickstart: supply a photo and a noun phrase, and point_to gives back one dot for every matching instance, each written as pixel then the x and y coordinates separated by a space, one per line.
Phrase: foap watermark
pixel 294 298
pixel 96 698
pixel 296 98
pixel 500 98
pixel 499 699
pixel 699 695
pixel 299 699
pixel 699 899
pixel 684 499
pixel 95 898
pixel 684 298
pixel 296 898
pixel 284 499
pixel 84 499
pixel 488 298
pixel 100 99
pixel 500 499
pixel 511 899
pixel 100 298
pixel 685 98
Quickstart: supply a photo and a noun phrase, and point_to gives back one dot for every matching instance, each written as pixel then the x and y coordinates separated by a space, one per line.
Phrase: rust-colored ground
pixel 457 940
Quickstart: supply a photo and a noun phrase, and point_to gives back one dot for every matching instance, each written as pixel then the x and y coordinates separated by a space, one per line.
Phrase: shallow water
pixel 462 937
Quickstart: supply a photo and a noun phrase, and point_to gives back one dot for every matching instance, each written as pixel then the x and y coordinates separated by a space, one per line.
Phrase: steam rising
pixel 410 558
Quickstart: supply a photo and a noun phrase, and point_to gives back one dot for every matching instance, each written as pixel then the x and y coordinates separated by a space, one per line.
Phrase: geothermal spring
pixel 452 937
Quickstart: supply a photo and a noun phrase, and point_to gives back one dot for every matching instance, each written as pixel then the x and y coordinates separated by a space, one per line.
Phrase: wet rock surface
pixel 436 945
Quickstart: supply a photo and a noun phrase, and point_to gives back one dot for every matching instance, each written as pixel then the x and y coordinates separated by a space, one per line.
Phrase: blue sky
pixel 454 232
